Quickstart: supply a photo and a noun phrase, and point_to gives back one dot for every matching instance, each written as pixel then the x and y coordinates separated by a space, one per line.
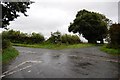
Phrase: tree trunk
pixel 101 41
pixel 92 41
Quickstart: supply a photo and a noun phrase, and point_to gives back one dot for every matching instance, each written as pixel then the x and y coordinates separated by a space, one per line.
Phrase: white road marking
pixel 18 70
pixel 29 71
pixel 27 52
pixel 2 76
pixel 9 73
pixel 35 61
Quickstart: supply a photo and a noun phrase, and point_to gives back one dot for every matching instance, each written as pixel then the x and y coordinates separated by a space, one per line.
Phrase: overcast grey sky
pixel 46 16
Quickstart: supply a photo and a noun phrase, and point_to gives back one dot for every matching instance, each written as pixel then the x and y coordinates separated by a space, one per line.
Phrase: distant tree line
pixel 37 38
pixel 20 37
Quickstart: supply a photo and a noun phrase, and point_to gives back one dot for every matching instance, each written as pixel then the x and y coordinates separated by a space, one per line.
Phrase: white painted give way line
pixel 23 63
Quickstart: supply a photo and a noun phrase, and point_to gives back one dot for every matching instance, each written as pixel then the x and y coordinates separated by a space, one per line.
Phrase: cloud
pixel 46 16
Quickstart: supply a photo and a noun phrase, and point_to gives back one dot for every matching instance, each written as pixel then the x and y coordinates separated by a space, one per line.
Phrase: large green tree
pixel 92 25
pixel 11 10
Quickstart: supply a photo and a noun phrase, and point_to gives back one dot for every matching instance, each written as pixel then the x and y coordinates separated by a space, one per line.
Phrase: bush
pixel 19 37
pixel 5 44
pixel 114 36
pixel 55 37
pixel 58 38
pixel 36 38
pixel 70 39
pixel 9 54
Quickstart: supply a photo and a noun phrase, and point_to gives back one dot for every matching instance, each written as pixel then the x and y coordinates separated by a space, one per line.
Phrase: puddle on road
pixel 74 56
pixel 56 56
pixel 83 64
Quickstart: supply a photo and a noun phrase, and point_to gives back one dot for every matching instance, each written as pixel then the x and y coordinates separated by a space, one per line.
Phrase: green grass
pixel 54 46
pixel 9 54
pixel 111 51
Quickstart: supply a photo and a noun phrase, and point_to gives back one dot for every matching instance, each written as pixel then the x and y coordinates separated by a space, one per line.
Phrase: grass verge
pixel 115 52
pixel 8 54
pixel 54 46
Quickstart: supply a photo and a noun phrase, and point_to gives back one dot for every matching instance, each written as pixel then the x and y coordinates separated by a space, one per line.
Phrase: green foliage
pixel 55 37
pixel 36 38
pixel 70 39
pixel 19 37
pixel 114 36
pixel 58 38
pixel 109 50
pixel 93 26
pixel 8 54
pixel 10 11
pixel 6 44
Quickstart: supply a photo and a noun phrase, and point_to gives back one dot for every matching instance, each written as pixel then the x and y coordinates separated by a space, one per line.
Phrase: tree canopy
pixel 92 25
pixel 11 10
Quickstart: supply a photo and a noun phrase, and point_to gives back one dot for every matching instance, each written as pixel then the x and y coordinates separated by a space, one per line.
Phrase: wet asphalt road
pixel 69 63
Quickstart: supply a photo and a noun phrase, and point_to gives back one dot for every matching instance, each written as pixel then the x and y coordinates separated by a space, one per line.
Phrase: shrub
pixel 56 37
pixel 70 39
pixel 19 37
pixel 5 44
pixel 36 38
pixel 115 36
